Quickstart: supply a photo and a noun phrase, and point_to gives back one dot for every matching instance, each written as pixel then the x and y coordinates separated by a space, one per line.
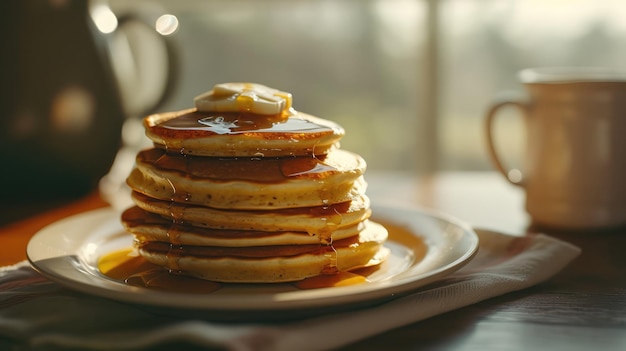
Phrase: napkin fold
pixel 37 314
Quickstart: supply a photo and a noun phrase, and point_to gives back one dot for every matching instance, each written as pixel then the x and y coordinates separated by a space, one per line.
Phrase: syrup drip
pixel 331 254
pixel 160 157
pixel 174 232
pixel 331 220
pixel 177 212
pixel 172 257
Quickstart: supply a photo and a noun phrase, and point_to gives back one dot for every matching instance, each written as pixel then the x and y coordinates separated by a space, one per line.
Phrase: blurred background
pixel 410 80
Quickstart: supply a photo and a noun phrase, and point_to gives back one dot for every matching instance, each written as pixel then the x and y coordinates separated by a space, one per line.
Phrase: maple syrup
pixel 128 267
pixel 336 279
pixel 196 124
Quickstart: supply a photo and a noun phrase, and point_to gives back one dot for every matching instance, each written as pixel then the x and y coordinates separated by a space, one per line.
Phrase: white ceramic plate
pixel 431 246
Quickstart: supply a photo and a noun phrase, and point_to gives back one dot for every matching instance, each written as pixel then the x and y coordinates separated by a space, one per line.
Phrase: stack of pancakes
pixel 233 195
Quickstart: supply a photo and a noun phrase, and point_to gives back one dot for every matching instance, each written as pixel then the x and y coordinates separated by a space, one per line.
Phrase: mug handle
pixel 512 175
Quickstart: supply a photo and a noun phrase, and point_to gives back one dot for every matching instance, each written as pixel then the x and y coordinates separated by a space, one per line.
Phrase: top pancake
pixel 233 134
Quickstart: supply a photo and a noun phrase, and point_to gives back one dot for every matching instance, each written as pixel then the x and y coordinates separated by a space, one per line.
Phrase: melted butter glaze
pixel 195 124
pixel 262 170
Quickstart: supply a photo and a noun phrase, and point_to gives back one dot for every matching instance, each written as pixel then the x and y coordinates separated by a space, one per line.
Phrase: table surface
pixel 582 308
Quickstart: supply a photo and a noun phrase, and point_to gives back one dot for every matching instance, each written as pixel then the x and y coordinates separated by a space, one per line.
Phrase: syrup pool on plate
pixel 128 267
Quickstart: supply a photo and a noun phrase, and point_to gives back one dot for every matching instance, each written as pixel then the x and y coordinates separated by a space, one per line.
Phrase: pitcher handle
pixel 146 67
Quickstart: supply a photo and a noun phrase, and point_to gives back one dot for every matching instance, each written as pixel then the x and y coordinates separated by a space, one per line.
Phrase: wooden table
pixel 582 308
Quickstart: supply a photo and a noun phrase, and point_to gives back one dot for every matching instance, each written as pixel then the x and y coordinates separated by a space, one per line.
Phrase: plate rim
pixel 68 271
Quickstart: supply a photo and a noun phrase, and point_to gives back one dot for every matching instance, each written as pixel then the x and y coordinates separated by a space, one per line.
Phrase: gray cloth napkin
pixel 37 314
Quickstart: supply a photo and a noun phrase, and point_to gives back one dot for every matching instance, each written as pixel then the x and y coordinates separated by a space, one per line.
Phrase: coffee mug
pixel 574 170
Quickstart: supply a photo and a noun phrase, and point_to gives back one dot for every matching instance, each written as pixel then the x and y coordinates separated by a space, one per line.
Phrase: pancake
pixel 150 227
pixel 282 263
pixel 249 183
pixel 319 221
pixel 245 189
pixel 225 134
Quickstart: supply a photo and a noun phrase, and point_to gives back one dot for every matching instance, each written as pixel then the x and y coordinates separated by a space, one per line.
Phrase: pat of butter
pixel 244 97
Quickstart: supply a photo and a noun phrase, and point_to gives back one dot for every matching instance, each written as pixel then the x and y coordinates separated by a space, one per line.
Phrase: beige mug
pixel 574 170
